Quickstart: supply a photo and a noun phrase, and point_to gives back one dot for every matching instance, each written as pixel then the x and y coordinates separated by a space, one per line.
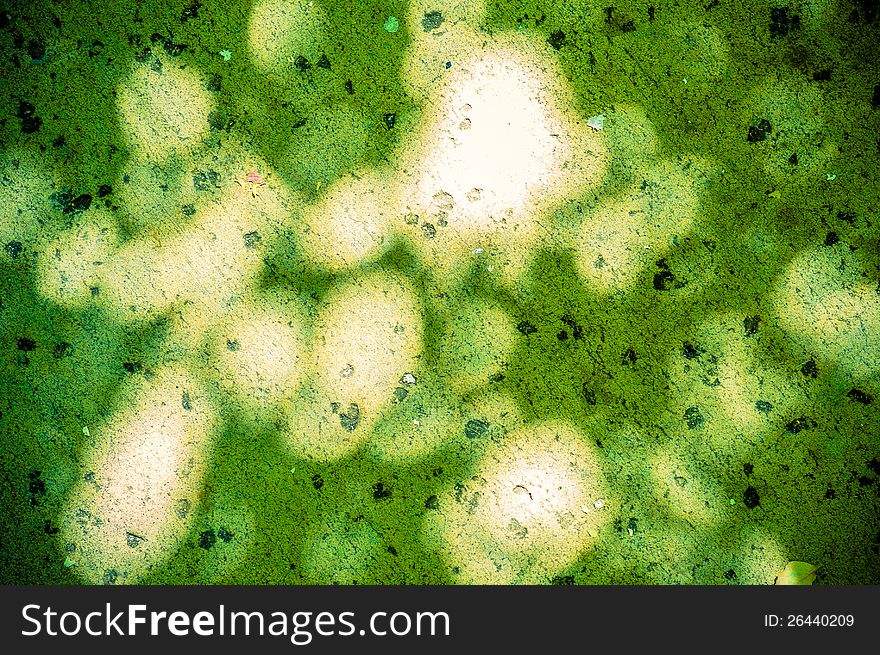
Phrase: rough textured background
pixel 448 332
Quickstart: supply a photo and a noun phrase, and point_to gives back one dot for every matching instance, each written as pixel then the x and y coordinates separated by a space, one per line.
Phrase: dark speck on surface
pixel 524 327
pixel 82 202
pixel 797 425
pixel 224 535
pixel 350 419
pixel 207 539
pixel 809 369
pixel 693 417
pixel 317 481
pixel 750 324
pixel 432 20
pixel 665 280
pixel 252 240
pixel 380 491
pixel 750 497
pixel 690 351
pixel 475 428
pixel 13 248
pixel 557 39
pixel 860 396
pixel 232 345
pixel 26 344
pixel 759 132
pixel 763 406
pixel 432 502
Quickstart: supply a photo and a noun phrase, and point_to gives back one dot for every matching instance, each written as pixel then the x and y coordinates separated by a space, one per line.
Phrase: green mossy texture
pixel 626 369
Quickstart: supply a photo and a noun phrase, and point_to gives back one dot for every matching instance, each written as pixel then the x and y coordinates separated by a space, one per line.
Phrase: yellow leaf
pixel 797 573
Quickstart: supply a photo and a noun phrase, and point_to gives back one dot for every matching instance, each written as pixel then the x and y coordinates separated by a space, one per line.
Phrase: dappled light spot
pixel 278 31
pixel 827 305
pixel 352 222
pixel 367 336
pixel 633 231
pixel 141 478
pixel 67 268
pixel 163 111
pixel 496 151
pixel 258 354
pixel 476 344
pixel 208 262
pixel 535 504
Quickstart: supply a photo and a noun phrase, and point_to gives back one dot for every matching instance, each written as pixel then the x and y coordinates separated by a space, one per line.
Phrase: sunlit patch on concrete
pixel 640 226
pixel 165 111
pixel 367 336
pixel 208 262
pixel 142 476
pixel 537 502
pixel 351 223
pixel 495 151
pixel 476 344
pixel 152 195
pixel 827 305
pixel 341 550
pixel 67 268
pixel 258 353
pixel 278 31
